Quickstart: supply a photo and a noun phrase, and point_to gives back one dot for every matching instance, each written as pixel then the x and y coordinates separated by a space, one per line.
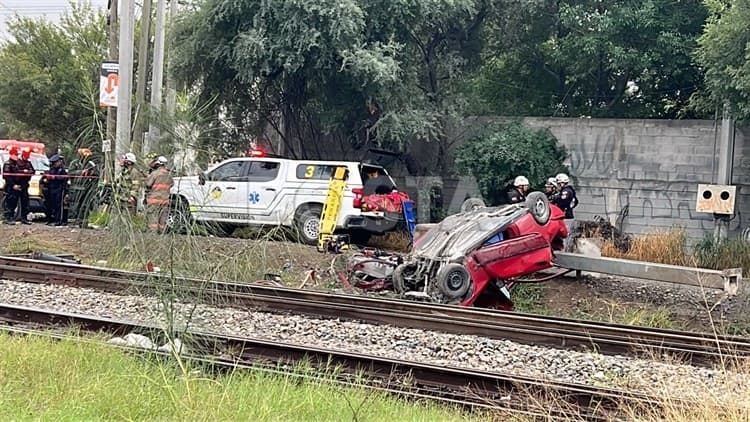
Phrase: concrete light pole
pixel 122 142
pixel 141 114
pixel 158 76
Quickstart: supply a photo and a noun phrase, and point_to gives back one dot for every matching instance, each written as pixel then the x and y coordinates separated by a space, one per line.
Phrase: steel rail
pixel 693 348
pixel 456 386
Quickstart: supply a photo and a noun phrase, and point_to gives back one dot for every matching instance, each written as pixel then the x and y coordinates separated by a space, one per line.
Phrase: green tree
pixel 360 73
pixel 505 151
pixel 724 53
pixel 600 58
pixel 49 75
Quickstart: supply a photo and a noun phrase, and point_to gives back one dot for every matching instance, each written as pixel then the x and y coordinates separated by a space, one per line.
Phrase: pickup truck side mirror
pixel 202 178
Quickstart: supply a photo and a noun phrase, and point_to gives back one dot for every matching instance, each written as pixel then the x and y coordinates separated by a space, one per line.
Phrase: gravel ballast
pixel 464 351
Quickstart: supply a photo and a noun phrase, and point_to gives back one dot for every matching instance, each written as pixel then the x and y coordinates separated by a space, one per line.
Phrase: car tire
pixel 453 280
pixel 401 278
pixel 538 204
pixel 472 204
pixel 307 224
pixel 178 219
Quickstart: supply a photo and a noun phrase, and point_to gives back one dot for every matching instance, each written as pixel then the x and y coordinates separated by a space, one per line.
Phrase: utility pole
pixel 122 143
pixel 724 173
pixel 111 111
pixel 171 90
pixel 158 76
pixel 141 115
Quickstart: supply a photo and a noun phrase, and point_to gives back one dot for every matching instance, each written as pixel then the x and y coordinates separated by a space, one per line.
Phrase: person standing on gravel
pixel 566 201
pixel 21 170
pixel 158 184
pixel 83 186
pixel 128 186
pixel 10 172
pixel 56 179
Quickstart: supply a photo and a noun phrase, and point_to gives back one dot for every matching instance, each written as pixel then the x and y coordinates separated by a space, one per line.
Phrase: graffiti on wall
pixel 641 202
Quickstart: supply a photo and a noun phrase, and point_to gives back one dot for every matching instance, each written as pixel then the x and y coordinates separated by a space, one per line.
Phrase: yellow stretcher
pixel 330 215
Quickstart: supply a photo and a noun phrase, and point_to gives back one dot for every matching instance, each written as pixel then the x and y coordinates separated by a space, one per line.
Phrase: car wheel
pixel 472 204
pixel 453 280
pixel 538 204
pixel 404 278
pixel 307 224
pixel 178 219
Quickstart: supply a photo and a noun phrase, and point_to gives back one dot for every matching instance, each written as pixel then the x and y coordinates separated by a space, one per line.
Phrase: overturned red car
pixel 475 258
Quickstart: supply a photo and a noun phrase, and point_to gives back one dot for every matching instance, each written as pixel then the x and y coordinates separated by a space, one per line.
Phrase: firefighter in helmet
pixel 158 184
pixel 129 183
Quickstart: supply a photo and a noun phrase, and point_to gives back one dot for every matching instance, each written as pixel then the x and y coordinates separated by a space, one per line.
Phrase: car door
pixel 225 191
pixel 264 186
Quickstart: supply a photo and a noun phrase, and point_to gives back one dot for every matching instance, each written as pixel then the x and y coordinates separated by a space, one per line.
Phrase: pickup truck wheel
pixel 178 219
pixel 538 204
pixel 359 237
pixel 307 223
pixel 453 281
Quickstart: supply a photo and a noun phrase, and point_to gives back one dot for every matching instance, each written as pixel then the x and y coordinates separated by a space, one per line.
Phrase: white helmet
pixel 162 160
pixel 551 182
pixel 520 181
pixel 562 178
pixel 130 157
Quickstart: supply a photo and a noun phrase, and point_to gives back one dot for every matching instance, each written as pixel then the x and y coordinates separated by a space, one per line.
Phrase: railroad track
pixel 694 348
pixel 510 394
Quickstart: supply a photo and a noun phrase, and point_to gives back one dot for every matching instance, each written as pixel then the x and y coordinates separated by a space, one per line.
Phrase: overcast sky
pixel 51 9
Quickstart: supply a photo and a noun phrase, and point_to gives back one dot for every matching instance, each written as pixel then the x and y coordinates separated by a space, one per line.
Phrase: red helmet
pixel 13 150
pixel 25 154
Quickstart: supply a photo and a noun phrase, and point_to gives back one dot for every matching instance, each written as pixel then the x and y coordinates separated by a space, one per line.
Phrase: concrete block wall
pixel 642 173
pixel 645 173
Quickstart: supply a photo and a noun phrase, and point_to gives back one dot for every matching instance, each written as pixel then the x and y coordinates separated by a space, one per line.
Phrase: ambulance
pixel 41 164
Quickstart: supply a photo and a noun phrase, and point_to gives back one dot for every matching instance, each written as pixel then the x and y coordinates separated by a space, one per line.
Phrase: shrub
pixel 503 152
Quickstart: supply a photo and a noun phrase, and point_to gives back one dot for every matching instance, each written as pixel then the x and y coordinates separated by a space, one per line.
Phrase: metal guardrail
pixel 727 280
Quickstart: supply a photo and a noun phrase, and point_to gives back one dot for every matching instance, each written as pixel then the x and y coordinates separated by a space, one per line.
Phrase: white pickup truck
pixel 278 191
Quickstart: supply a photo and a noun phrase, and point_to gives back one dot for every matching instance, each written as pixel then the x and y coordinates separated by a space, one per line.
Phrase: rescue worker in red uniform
pixel 520 187
pixel 158 184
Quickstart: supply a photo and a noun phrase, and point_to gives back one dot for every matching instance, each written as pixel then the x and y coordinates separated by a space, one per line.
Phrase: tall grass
pixel 663 247
pixel 42 379
pixel 670 247
pixel 722 254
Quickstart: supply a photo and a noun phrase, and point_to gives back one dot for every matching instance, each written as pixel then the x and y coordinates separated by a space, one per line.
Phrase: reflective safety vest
pixel 158 183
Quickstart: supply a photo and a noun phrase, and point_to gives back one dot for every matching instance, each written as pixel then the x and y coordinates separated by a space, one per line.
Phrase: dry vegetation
pixel 671 247
pixel 663 247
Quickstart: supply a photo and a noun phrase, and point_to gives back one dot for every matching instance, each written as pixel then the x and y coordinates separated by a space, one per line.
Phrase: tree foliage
pixel 724 53
pixel 49 75
pixel 367 71
pixel 600 58
pixel 505 151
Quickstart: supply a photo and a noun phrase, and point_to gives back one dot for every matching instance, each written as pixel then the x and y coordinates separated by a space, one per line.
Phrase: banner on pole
pixel 109 82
